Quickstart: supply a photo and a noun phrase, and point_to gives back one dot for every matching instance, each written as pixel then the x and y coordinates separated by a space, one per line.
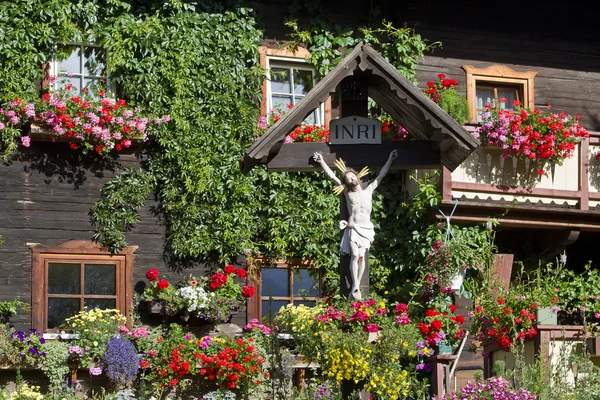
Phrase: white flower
pixel 195 297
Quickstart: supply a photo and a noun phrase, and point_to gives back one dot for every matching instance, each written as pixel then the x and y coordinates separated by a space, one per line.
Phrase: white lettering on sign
pixel 354 130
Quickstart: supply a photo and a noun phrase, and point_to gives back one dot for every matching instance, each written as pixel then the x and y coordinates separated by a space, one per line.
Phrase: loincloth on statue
pixel 362 235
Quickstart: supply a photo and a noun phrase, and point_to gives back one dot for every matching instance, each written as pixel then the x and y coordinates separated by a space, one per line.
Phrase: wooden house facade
pixel 47 191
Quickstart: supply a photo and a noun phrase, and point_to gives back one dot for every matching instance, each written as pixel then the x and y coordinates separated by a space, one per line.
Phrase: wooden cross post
pixel 354 102
pixel 354 96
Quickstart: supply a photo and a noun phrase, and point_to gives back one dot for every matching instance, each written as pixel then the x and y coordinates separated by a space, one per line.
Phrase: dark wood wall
pixel 560 43
pixel 568 73
pixel 46 194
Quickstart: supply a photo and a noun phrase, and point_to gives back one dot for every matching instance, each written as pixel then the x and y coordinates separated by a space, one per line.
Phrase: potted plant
pixel 443 93
pixel 442 329
pixel 199 301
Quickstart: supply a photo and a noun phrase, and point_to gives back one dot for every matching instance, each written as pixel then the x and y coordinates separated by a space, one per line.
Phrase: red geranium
pixel 162 284
pixel 248 291
pixel 241 273
pixel 436 325
pixel 229 269
pixel 152 274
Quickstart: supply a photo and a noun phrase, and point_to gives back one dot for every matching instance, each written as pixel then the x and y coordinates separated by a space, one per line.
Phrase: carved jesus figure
pixel 358 230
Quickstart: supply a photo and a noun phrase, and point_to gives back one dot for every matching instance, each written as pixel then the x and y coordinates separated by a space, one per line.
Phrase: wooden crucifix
pixel 355 196
pixel 436 139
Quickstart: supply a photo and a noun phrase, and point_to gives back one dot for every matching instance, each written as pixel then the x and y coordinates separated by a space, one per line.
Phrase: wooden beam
pixel 411 154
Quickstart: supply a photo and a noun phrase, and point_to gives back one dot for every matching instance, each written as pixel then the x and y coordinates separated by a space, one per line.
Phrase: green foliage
pixel 456 106
pixel 9 352
pixel 55 365
pixel 10 308
pixel 328 44
pixel 117 212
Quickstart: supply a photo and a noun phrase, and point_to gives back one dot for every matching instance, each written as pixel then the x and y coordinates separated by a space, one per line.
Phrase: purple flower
pixel 95 371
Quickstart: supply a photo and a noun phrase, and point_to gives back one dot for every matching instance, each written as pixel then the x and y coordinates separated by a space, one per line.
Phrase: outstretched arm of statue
pixel 318 157
pixel 384 169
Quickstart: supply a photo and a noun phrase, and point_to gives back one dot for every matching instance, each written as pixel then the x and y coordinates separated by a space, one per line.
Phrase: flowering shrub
pixel 120 362
pixel 443 93
pixel 12 119
pixel 496 388
pixel 392 130
pixel 95 327
pixel 435 89
pixel 30 346
pixel 26 392
pixel 172 358
pixel 232 363
pixel 530 134
pixel 308 133
pixel 361 341
pixel 504 320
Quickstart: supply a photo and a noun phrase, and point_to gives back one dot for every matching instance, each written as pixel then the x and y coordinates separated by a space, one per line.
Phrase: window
pixel 289 78
pixel 287 83
pixel 280 284
pixel 84 68
pixel 487 85
pixel 76 275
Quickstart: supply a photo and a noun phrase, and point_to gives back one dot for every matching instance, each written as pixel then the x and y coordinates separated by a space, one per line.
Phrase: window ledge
pixel 38 132
pixel 62 336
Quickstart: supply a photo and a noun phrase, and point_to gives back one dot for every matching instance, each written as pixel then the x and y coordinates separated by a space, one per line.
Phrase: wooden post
pixel 354 102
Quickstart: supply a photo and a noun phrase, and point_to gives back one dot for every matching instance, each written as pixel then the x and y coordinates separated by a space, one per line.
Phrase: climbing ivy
pixel 328 44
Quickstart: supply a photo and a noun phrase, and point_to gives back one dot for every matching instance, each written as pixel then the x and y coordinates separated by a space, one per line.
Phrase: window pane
pixel 312 119
pixel 510 94
pixel 272 307
pixel 307 303
pixel 280 80
pixel 306 284
pixel 73 80
pixel 303 81
pixel 61 309
pixel 275 282
pixel 94 62
pixel 93 85
pixel 64 278
pixel 485 95
pixel 71 64
pixel 100 279
pixel 280 102
pixel 104 304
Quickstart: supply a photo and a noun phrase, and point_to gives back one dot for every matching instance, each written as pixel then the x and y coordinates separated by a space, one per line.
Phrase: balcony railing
pixel 486 183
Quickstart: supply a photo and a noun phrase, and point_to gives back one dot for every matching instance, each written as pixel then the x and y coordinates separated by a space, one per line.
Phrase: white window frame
pixel 54 69
pixel 295 63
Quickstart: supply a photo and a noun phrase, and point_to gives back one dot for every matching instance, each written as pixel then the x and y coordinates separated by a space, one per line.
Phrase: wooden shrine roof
pixel 398 96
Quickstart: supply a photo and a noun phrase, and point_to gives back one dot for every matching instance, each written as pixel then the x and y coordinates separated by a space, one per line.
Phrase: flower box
pixel 545 316
pixel 444 347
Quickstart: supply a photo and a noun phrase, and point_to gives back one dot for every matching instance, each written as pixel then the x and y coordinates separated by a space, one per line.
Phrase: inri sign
pixel 354 130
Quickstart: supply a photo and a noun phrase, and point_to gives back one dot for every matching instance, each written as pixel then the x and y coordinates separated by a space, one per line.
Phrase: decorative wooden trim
pixel 501 74
pixel 76 250
pixel 277 50
pixel 516 190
